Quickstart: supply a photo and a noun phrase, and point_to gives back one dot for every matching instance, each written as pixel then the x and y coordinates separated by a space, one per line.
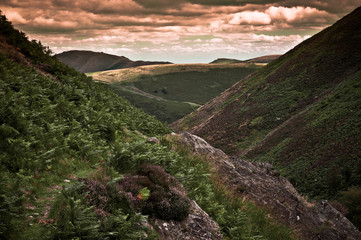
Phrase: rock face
pixel 197 226
pixel 263 185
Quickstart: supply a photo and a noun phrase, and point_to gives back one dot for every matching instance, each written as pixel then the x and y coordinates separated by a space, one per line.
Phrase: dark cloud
pixel 35 4
pixel 340 7
pixel 333 6
pixel 231 2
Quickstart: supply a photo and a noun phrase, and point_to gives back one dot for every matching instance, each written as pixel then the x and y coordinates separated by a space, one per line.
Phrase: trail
pixel 148 95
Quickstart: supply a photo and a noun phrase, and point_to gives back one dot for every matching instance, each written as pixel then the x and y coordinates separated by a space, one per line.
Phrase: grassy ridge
pixel 186 85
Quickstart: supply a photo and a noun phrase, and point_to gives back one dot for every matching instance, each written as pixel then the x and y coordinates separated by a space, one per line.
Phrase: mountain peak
pixel 89 61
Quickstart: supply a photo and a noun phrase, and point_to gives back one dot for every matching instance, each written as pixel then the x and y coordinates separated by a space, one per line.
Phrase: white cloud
pixel 247 17
pixel 217 25
pixel 281 17
pixel 216 40
pixel 297 14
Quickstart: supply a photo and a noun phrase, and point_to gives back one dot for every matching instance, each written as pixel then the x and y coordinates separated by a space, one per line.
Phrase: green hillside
pixel 76 161
pixel 170 92
pixel 301 113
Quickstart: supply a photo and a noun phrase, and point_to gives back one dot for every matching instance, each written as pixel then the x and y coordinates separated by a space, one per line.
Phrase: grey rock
pixel 263 185
pixel 153 139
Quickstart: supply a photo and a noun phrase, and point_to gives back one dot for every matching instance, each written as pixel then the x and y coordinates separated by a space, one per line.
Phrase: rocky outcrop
pixel 260 183
pixel 197 226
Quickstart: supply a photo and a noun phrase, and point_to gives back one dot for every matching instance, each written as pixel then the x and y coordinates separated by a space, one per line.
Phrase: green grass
pixel 327 137
pixel 191 86
pixel 301 112
pixel 168 89
pixel 238 219
pixel 165 110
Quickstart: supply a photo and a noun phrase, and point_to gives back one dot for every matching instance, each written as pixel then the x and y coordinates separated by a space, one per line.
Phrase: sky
pixel 180 31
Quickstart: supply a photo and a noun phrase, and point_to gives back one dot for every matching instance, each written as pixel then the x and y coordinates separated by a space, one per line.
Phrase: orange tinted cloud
pixel 148 29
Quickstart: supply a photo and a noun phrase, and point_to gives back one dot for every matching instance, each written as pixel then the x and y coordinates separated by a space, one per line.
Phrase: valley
pixel 170 92
pixel 265 148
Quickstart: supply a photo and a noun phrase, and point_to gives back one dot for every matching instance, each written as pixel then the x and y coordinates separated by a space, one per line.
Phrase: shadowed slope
pixel 301 112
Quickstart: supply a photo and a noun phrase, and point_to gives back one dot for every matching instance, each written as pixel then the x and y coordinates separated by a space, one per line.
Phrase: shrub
pixel 158 176
pixel 169 206
pixel 163 200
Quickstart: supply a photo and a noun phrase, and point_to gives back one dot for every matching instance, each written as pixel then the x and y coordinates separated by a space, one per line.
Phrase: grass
pixel 327 138
pixel 170 92
pixel 165 110
pixel 238 218
pixel 301 112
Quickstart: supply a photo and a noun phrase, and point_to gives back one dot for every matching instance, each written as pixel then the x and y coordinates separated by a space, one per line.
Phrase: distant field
pixel 170 92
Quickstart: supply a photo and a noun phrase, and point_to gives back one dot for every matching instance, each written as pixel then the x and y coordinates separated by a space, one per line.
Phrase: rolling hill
pixel 262 59
pixel 170 92
pixel 301 113
pixel 88 61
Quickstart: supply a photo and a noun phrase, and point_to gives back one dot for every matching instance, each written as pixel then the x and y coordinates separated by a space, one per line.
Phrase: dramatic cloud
pixel 256 18
pixel 178 30
pixel 283 16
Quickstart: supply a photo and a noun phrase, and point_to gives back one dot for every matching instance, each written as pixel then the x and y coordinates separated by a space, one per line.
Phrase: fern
pixel 121 226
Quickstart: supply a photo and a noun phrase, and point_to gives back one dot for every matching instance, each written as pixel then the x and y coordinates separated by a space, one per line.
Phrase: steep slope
pixel 301 112
pixel 170 92
pixel 88 61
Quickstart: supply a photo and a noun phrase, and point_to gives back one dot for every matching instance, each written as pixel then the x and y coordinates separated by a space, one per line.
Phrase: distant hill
pixel 226 61
pixel 262 59
pixel 170 92
pixel 301 112
pixel 88 61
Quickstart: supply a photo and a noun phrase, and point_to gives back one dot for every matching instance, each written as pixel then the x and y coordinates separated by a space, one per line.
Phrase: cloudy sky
pixel 180 31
